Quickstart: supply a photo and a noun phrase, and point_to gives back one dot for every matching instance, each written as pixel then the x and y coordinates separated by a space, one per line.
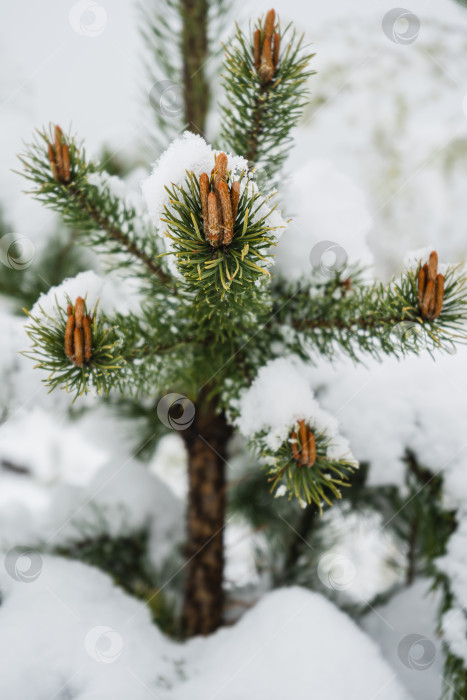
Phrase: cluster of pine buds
pixel 78 334
pixel 59 157
pixel 266 47
pixel 303 446
pixel 219 203
pixel 430 288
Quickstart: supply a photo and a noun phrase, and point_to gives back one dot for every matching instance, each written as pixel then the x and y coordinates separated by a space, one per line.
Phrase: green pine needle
pixel 215 274
pixel 47 333
pixel 319 484
pixel 257 119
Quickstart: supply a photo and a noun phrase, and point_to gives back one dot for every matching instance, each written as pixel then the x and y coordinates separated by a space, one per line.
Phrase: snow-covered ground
pixel 102 644
pixel 379 168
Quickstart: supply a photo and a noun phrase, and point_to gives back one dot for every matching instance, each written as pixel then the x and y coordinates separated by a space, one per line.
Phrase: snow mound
pixel 325 205
pixel 80 637
pixel 294 643
pixel 70 633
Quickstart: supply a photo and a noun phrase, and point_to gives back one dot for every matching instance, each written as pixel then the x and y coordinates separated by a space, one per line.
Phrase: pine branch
pixel 221 271
pixel 83 198
pixel 260 113
pixel 79 351
pixel 302 465
pixel 350 315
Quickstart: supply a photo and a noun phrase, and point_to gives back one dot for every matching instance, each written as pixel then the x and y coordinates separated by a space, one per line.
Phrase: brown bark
pixel 195 53
pixel 206 442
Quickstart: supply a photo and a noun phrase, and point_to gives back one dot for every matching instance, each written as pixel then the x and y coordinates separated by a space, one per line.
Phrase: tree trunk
pixel 206 441
pixel 195 54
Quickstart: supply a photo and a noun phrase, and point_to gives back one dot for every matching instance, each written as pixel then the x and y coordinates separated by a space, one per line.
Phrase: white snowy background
pixel 379 167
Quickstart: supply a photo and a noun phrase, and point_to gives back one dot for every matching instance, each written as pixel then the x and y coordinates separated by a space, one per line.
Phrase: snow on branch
pixel 71 337
pixel 298 440
pixel 217 224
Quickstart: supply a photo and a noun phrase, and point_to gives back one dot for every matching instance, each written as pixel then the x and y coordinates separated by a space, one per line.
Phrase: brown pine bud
pixel 79 312
pixel 421 285
pixel 269 25
pixel 87 334
pixel 293 442
pixel 302 431
pixel 58 152
pixel 433 266
pixel 53 167
pixel 431 308
pixel 235 197
pixel 66 163
pixel 219 171
pixel 204 192
pixel 257 48
pixel 275 50
pixel 78 338
pixel 266 69
pixel 69 310
pixel 428 298
pixel 69 336
pixel 226 204
pixel 439 296
pixel 311 449
pixel 213 216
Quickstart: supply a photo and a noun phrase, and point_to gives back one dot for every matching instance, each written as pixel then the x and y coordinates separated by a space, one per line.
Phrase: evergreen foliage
pixel 209 323
pixel 258 117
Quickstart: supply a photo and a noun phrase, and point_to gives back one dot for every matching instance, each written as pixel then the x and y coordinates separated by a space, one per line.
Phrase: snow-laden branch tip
pixel 299 441
pixel 191 153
